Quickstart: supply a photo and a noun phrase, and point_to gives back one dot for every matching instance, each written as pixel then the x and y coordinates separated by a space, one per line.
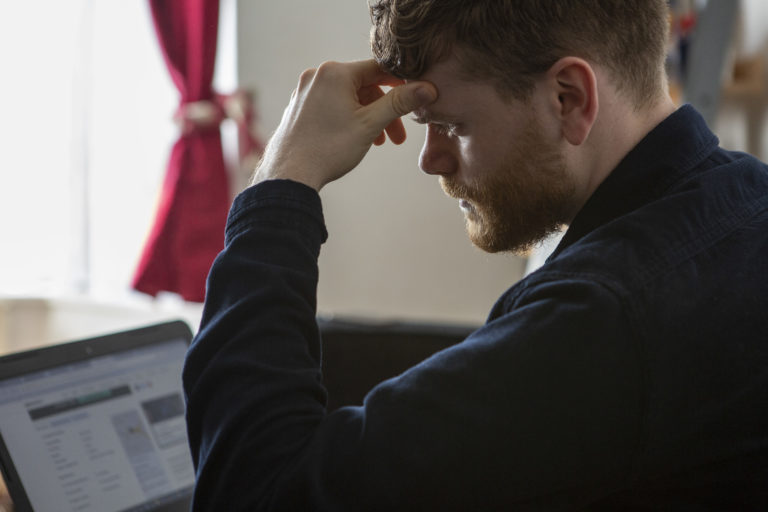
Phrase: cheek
pixel 479 159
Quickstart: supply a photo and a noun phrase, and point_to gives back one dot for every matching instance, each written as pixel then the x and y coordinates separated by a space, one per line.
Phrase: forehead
pixel 459 95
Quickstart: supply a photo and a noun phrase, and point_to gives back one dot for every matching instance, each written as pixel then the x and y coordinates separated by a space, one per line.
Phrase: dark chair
pixel 359 355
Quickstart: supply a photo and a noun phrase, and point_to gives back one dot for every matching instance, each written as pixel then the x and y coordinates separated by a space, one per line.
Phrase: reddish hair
pixel 510 42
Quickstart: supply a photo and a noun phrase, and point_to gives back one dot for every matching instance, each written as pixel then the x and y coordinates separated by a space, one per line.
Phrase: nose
pixel 437 155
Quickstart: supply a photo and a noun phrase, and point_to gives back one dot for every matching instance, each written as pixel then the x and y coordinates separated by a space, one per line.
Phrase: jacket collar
pixel 666 155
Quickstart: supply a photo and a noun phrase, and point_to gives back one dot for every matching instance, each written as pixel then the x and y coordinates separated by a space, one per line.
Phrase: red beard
pixel 527 197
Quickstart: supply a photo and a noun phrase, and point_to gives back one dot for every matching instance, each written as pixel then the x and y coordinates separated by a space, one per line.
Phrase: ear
pixel 573 95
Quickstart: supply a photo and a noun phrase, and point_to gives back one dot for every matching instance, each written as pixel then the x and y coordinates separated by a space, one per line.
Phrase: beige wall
pixel 397 247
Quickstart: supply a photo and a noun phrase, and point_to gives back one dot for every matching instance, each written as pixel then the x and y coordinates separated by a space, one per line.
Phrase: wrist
pixel 296 172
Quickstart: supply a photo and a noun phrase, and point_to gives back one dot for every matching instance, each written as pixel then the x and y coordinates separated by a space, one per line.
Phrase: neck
pixel 618 128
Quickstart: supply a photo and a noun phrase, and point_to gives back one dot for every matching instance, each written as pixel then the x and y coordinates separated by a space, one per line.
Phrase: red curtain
pixel 188 231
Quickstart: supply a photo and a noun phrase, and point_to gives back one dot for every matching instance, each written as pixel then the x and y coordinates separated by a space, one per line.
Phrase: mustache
pixel 458 190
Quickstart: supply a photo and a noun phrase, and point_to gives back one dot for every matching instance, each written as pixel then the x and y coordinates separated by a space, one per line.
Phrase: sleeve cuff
pixel 279 204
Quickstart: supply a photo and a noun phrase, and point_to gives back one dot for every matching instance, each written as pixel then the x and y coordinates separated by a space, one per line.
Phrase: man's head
pixel 510 42
pixel 515 133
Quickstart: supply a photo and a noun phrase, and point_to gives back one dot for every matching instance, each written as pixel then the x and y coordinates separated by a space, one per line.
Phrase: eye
pixel 447 129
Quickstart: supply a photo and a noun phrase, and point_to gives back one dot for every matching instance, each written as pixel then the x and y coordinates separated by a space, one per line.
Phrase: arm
pixel 542 401
pixel 336 112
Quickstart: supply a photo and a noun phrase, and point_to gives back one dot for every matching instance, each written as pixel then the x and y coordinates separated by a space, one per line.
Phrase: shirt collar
pixel 667 153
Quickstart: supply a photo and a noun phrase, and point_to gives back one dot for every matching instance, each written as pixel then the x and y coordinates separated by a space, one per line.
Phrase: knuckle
pixel 328 68
pixel 306 77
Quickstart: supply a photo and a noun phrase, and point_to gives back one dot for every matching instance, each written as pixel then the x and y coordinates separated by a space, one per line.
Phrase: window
pixel 86 133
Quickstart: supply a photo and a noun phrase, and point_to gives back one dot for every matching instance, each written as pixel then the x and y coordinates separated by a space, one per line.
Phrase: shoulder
pixel 558 300
pixel 689 215
pixel 717 214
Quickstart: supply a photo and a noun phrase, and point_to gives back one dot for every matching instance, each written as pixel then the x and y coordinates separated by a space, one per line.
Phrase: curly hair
pixel 510 42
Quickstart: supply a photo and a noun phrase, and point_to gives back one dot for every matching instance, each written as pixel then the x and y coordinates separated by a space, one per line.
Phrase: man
pixel 630 372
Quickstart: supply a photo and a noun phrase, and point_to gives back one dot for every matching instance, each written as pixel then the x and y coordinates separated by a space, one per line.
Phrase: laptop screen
pixel 103 433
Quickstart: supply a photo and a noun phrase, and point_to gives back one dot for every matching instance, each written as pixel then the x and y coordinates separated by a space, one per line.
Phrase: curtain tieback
pixel 204 115
pixel 196 116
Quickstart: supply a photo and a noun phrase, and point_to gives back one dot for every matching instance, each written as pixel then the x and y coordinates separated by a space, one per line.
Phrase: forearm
pixel 252 376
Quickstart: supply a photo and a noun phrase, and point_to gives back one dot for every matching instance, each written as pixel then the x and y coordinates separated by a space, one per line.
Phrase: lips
pixel 461 192
pixel 468 209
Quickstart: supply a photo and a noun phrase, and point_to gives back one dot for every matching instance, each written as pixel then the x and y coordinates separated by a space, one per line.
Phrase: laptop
pixel 98 424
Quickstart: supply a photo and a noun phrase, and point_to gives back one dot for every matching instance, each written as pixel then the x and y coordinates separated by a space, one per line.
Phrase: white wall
pixel 397 247
pixel 740 114
pixel 754 17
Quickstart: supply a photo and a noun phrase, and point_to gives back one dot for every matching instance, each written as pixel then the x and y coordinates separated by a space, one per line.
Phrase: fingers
pixel 380 140
pixel 336 111
pixel 368 94
pixel 306 78
pixel 409 97
pixel 368 72
pixel 395 130
pixel 386 111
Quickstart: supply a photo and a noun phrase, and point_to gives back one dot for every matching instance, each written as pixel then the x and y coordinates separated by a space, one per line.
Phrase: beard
pixel 524 199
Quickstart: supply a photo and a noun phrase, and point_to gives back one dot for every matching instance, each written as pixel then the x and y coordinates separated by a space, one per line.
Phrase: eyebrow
pixel 423 117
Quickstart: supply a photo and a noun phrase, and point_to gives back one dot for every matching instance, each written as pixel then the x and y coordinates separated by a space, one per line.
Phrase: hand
pixel 335 114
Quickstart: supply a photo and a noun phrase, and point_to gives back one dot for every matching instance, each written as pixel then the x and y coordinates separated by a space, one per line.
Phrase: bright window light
pixel 85 137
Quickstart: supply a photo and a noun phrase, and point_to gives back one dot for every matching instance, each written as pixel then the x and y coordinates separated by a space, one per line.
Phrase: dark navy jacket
pixel 630 372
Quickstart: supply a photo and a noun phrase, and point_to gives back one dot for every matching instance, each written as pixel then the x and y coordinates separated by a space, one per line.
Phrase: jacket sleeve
pixel 541 405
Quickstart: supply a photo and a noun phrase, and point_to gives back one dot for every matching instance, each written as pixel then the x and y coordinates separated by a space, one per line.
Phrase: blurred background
pixel 87 201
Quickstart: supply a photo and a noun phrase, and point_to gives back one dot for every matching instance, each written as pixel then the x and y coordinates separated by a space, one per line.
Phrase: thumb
pixel 401 100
